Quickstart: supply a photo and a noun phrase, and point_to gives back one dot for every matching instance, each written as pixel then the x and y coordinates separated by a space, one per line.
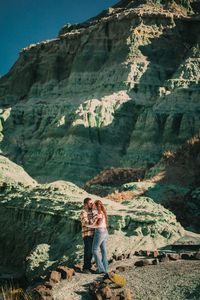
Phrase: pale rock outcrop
pixel 14 174
pixel 40 225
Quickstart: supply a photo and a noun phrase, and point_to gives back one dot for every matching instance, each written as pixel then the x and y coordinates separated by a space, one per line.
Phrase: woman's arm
pixel 95 217
pixel 96 220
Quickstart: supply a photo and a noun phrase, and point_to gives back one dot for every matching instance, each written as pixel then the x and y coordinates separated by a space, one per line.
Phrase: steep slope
pixel 173 182
pixel 118 90
pixel 14 174
pixel 178 179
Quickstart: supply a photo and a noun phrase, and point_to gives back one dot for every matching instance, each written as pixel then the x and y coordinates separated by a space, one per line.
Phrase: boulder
pixel 66 273
pixel 123 268
pixel 43 292
pixel 188 255
pixel 163 258
pixel 125 295
pixel 143 262
pixel 174 256
pixel 197 255
pixel 54 277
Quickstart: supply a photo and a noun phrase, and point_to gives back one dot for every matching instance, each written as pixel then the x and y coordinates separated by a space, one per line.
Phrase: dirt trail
pixel 175 280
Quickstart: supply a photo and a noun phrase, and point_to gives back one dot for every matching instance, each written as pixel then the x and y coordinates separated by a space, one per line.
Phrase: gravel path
pixel 178 280
pixel 174 281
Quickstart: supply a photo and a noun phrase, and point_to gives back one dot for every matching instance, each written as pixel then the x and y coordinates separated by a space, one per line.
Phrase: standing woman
pixel 100 223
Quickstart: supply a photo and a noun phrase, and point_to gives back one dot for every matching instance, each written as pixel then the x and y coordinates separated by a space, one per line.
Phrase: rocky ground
pixel 177 280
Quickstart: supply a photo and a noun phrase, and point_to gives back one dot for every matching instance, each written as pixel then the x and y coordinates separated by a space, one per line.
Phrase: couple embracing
pixel 94 222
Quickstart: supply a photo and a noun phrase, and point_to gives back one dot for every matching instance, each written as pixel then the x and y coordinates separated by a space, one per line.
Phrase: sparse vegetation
pixel 14 293
pixel 169 156
pixel 117 176
pixel 183 167
pixel 187 153
pixel 121 196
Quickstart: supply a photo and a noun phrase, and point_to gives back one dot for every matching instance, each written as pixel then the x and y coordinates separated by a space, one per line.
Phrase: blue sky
pixel 24 22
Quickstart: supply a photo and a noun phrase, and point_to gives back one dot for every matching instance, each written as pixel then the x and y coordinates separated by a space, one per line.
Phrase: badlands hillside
pixel 115 91
pixel 110 108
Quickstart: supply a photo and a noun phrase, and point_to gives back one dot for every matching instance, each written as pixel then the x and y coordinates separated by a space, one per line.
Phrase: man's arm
pixel 84 218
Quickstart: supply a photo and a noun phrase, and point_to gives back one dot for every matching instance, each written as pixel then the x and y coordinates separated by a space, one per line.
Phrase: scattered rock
pixel 163 258
pixel 174 256
pixel 66 273
pixel 125 295
pixel 146 262
pixel 54 277
pixel 139 253
pixel 197 255
pixel 189 255
pixel 123 268
pixel 106 290
pixel 107 293
pixel 155 261
pixel 44 292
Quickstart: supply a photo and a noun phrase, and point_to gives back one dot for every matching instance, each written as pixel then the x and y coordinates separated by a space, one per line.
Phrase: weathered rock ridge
pixel 14 174
pixel 40 224
pixel 117 91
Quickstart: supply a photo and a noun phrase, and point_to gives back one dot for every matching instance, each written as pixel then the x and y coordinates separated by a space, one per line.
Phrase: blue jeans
pixel 99 249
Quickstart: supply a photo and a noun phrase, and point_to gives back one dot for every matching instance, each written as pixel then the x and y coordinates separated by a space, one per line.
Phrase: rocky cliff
pixel 40 226
pixel 173 182
pixel 117 90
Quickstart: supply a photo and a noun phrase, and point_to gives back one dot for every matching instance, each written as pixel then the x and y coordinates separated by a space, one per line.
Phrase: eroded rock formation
pixel 116 91
pixel 173 182
pixel 40 225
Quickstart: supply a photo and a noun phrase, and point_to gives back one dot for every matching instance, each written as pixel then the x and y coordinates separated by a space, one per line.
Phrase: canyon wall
pixel 116 91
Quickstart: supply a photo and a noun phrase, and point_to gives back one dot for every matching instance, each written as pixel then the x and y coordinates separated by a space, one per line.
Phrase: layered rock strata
pixel 117 91
pixel 40 225
pixel 173 182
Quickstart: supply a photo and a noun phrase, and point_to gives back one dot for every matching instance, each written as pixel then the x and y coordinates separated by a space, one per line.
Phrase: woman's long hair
pixel 101 209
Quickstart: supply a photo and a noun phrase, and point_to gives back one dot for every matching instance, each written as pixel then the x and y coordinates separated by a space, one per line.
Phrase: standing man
pixel 87 233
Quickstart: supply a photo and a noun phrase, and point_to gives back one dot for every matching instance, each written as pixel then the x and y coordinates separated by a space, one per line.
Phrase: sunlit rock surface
pixel 14 174
pixel 117 90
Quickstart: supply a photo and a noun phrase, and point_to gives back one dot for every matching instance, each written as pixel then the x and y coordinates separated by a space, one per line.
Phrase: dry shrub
pixel 123 196
pixel 13 293
pixel 194 140
pixel 169 155
pixel 187 152
pixel 117 176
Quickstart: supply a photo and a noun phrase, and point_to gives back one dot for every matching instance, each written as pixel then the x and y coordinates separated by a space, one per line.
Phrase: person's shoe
pixel 86 271
pixel 106 276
